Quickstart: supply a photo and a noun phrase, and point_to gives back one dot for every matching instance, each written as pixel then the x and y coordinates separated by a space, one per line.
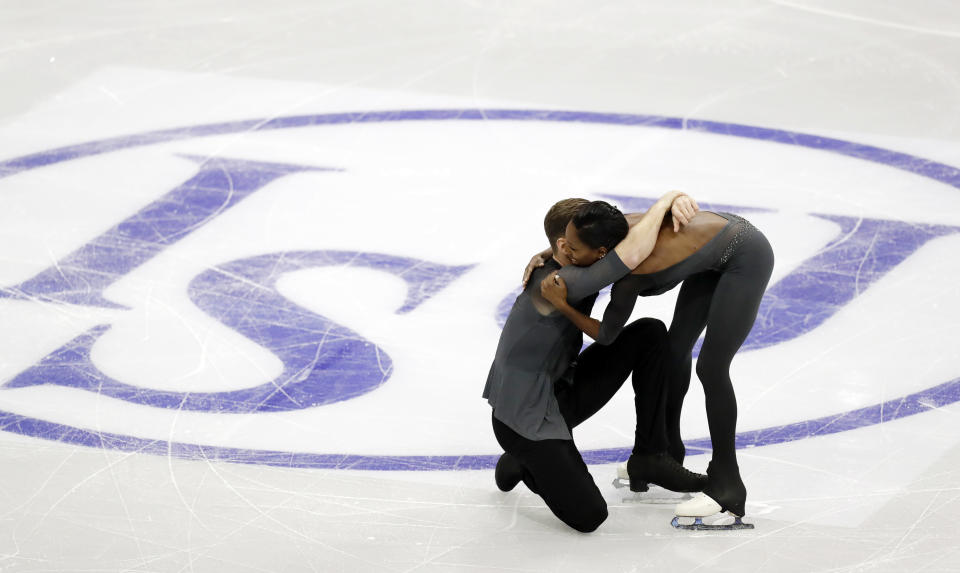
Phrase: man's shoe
pixel 508 473
pixel 663 470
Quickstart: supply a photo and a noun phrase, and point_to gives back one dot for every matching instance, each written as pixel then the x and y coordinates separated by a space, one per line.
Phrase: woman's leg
pixel 733 310
pixel 689 320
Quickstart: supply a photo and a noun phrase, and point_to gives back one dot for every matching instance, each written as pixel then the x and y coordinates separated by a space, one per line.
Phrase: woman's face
pixel 578 252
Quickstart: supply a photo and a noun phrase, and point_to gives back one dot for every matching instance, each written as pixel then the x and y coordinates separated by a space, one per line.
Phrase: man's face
pixel 576 251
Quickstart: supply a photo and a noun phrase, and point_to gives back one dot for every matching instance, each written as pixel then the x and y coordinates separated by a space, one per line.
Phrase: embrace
pixel 541 385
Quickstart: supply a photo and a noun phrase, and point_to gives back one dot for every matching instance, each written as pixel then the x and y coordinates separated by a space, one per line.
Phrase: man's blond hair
pixel 555 223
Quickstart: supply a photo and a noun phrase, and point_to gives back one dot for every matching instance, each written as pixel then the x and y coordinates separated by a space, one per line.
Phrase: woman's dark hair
pixel 600 224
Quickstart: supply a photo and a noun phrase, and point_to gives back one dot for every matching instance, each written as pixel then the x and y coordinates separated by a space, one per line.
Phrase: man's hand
pixel 536 262
pixel 554 290
pixel 683 209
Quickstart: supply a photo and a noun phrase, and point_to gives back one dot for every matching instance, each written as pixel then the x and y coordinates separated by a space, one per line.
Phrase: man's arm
pixel 536 262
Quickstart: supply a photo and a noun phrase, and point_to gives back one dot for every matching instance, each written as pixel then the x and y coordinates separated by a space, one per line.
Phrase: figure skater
pixel 725 264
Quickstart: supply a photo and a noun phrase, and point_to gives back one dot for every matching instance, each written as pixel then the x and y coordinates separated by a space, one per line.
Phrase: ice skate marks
pixel 114 263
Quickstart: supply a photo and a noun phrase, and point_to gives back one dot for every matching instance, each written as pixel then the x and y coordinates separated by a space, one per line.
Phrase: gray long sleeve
pixel 584 281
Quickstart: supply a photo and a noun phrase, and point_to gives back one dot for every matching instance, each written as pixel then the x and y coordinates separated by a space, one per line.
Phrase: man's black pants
pixel 554 469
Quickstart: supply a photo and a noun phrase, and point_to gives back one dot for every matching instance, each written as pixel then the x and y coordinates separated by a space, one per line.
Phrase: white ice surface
pixel 879 498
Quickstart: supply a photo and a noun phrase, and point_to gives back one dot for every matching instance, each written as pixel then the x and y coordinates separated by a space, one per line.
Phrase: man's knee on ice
pixel 591 519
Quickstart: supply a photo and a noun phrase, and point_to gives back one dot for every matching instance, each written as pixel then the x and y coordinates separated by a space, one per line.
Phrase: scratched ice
pixel 833 127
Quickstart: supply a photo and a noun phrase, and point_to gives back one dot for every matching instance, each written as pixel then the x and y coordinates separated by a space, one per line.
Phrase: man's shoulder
pixel 540 273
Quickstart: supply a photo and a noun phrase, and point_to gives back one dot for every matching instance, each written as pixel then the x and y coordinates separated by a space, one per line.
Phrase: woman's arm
pixel 683 209
pixel 639 242
pixel 637 246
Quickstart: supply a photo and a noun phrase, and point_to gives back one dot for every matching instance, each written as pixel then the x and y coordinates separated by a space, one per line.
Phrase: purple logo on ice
pixel 340 364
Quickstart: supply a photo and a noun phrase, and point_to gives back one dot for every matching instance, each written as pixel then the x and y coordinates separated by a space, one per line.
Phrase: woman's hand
pixel 683 209
pixel 536 262
pixel 554 290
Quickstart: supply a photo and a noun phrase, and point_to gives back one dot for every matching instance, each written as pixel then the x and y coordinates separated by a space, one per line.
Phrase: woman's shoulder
pixel 672 247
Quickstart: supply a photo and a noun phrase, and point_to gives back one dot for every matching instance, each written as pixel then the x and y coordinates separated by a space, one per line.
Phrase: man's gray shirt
pixel 538 345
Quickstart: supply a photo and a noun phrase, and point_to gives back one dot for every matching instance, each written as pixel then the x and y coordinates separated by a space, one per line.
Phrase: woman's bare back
pixel 671 247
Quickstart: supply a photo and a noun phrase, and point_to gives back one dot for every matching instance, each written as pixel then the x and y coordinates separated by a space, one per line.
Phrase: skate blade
pixel 656 498
pixel 699 525
pixel 636 487
pixel 654 495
